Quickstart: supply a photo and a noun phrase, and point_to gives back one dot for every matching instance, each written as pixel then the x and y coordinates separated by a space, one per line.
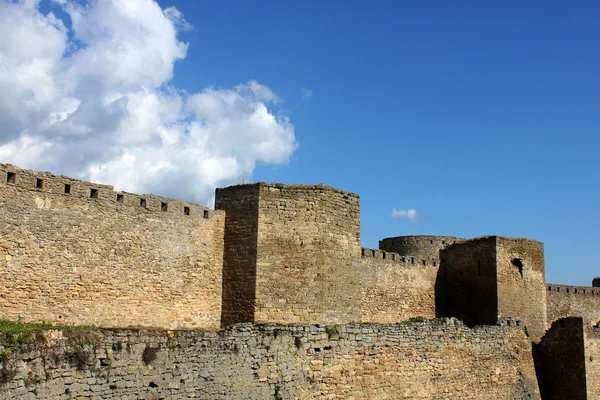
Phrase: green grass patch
pixel 18 326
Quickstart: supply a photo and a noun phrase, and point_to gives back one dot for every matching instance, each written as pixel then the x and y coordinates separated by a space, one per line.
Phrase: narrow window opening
pixel 557 289
pixel 549 288
pixel 443 242
pixel 67 188
pixel 186 211
pixel 93 193
pixel 163 206
pixel 412 260
pixel 142 202
pixel 568 290
pixel 10 177
pixel 431 242
pixel 519 264
pixel 404 242
pixel 39 183
pixel 206 216
pixel 575 290
pixel 435 264
pixel 120 198
pixel 372 251
pixel 384 254
pixel 424 262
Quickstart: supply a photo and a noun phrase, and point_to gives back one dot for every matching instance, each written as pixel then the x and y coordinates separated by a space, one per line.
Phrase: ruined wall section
pixel 240 204
pixel 74 252
pixel 421 249
pixel 521 283
pixel 467 281
pixel 573 301
pixel 563 361
pixel 308 255
pixel 395 288
pixel 439 359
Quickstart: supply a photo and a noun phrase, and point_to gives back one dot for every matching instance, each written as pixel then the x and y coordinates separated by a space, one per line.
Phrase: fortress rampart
pixel 395 288
pixel 445 358
pixel 573 301
pixel 75 252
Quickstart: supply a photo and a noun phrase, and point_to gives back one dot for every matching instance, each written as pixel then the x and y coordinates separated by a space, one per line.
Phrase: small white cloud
pixel 307 94
pixel 410 214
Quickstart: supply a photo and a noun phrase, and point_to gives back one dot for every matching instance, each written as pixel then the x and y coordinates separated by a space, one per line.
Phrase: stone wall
pixel 301 258
pixel 521 283
pixel 74 252
pixel 468 281
pixel 592 361
pixel 573 301
pixel 440 359
pixel 562 358
pixel 240 204
pixel 423 249
pixel 308 255
pixel 395 288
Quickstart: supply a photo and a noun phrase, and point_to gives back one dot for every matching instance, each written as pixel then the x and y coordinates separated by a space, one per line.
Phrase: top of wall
pixel 47 183
pixel 567 289
pixel 292 187
pixel 403 261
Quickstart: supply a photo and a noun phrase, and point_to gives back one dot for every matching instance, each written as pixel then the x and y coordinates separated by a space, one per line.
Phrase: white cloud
pixel 410 214
pixel 307 94
pixel 94 101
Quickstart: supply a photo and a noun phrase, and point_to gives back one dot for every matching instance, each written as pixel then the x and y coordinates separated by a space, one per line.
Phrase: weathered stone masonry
pixel 73 252
pixel 76 252
pixel 439 359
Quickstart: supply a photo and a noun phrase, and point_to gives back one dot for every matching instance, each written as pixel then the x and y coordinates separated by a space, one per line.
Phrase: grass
pixel 18 326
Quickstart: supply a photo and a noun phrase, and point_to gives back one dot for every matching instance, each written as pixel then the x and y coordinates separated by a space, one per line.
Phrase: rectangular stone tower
pixel 291 254
pixel 493 277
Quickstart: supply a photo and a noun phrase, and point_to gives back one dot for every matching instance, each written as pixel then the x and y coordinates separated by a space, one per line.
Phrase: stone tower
pixel 291 254
pixel 494 277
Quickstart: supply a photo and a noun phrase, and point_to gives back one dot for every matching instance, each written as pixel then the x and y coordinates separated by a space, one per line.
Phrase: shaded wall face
pixel 394 289
pixel 308 255
pixel 563 366
pixel 573 301
pixel 240 204
pixel 467 280
pixel 73 252
pixel 521 283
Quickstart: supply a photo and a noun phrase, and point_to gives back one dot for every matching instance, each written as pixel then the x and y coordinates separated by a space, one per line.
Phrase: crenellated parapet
pixel 43 184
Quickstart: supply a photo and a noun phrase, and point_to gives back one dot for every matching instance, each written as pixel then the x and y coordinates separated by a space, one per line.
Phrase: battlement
pixel 47 183
pixel 567 289
pixel 392 256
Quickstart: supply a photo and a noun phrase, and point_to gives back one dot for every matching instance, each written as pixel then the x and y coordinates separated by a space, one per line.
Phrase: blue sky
pixel 481 116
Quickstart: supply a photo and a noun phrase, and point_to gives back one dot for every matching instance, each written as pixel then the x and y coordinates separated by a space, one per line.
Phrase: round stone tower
pixel 423 248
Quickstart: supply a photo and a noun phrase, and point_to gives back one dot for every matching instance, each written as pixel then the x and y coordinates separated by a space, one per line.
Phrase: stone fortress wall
pixel 78 253
pixel 75 252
